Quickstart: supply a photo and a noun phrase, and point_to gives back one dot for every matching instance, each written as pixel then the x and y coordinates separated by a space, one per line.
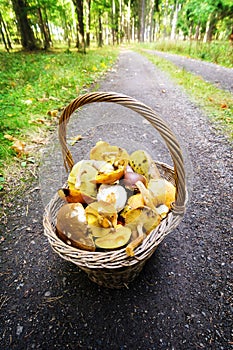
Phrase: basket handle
pixel 146 112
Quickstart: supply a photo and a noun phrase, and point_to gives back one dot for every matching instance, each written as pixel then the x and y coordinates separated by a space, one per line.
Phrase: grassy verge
pixel 216 103
pixel 216 52
pixel 34 87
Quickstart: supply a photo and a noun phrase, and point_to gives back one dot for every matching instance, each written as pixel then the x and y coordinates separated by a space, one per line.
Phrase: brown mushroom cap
pixel 72 227
pixel 130 179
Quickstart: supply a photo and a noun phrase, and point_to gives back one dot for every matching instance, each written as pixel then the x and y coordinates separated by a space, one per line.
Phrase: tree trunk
pixel 100 34
pixel 174 20
pixel 77 37
pixel 128 21
pixel 231 37
pixel 113 22
pixel 210 26
pixel 151 16
pixel 43 29
pixel 142 21
pixel 197 31
pixel 3 38
pixel 46 22
pixel 120 22
pixel 28 40
pixel 79 11
pixel 88 23
pixel 4 34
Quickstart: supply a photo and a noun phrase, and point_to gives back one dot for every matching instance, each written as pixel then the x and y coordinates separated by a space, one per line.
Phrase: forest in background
pixel 40 24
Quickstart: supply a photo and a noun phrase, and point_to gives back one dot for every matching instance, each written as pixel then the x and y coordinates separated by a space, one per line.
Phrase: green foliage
pixel 31 84
pixel 219 52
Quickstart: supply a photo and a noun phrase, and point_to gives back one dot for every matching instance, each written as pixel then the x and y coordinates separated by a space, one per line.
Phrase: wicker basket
pixel 114 269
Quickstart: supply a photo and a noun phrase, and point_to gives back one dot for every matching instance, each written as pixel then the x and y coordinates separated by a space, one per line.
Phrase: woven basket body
pixel 114 269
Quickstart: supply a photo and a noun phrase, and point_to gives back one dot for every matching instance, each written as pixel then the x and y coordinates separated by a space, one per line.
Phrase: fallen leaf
pixel 224 106
pixel 10 137
pixel 75 139
pixel 19 147
pixel 53 113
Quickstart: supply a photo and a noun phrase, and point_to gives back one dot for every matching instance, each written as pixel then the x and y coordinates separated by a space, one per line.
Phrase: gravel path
pixel 182 300
pixel 222 77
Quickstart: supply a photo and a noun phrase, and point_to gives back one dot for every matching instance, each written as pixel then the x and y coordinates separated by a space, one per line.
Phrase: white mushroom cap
pixel 114 194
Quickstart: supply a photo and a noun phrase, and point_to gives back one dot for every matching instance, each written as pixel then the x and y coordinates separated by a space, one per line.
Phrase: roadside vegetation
pixel 216 103
pixel 34 87
pixel 219 52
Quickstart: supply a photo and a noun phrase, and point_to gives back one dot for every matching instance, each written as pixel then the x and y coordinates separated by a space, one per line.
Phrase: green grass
pixel 220 52
pixel 31 84
pixel 216 103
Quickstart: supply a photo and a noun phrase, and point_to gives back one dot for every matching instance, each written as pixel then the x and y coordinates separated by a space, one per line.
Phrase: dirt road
pixel 221 77
pixel 182 299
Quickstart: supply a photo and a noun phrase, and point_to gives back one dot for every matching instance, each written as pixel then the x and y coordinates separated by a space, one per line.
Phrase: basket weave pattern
pixel 114 269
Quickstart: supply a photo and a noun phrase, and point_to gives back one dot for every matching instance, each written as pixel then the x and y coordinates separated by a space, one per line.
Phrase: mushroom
pixel 75 196
pixel 114 240
pixel 136 201
pixel 146 195
pixel 81 178
pixel 136 241
pixel 71 226
pixel 101 214
pixel 162 210
pixel 114 194
pixel 163 192
pixel 114 156
pixel 145 216
pixel 74 178
pixel 142 163
pixel 104 151
pixel 109 177
pixel 130 178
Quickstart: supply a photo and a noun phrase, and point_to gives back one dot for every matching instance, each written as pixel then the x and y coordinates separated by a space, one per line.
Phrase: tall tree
pixel 4 34
pixel 21 10
pixel 88 22
pixel 142 14
pixel 44 28
pixel 79 11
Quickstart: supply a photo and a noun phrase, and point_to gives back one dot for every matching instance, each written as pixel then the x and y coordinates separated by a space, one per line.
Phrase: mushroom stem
pixel 136 242
pixel 146 195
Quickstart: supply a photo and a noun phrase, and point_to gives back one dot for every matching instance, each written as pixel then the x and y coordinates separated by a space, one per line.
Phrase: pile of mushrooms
pixel 113 200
